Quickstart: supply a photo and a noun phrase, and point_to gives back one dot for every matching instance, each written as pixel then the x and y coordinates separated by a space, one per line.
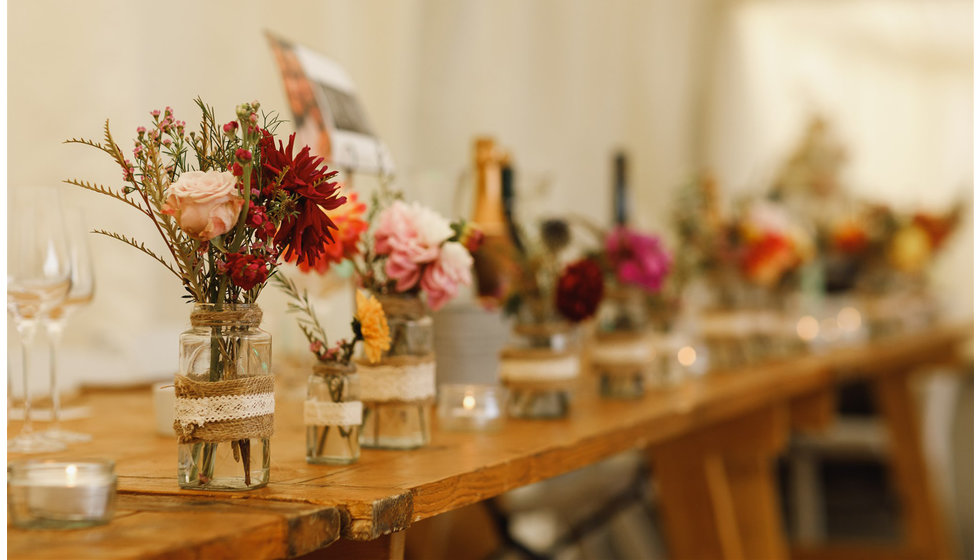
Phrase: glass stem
pixel 26 329
pixel 54 339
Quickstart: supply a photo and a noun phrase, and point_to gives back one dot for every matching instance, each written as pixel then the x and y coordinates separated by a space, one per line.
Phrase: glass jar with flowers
pixel 333 411
pixel 623 354
pixel 413 261
pixel 230 205
pixel 541 364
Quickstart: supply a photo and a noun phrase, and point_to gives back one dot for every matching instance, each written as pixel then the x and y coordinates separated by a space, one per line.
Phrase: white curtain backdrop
pixel 679 85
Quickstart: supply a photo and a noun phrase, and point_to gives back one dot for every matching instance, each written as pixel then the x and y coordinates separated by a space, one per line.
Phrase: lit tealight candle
pixel 471 407
pixel 60 495
pixel 849 319
pixel 808 328
pixel 687 356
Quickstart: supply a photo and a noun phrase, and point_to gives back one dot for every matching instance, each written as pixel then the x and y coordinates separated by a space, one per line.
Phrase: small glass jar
pixel 398 392
pixel 224 356
pixel 540 367
pixel 48 494
pixel 623 353
pixel 333 414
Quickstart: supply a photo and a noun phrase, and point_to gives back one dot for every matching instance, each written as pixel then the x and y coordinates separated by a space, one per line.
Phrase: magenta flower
pixel 638 259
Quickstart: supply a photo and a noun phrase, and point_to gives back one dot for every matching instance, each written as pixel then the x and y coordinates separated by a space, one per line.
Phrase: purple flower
pixel 638 259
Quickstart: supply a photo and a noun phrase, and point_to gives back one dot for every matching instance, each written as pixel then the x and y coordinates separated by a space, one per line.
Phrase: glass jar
pixel 540 366
pixel 332 414
pixel 398 392
pixel 224 399
pixel 623 353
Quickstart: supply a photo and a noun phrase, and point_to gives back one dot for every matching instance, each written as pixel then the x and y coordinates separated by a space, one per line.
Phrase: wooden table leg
pixel 718 492
pixel 925 533
pixel 387 547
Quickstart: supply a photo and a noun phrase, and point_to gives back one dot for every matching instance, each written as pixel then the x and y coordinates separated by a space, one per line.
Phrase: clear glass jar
pixel 540 367
pixel 333 415
pixel 226 355
pixel 623 353
pixel 398 392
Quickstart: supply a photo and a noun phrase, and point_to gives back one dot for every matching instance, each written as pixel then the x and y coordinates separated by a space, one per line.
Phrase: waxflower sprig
pixel 249 204
pixel 369 326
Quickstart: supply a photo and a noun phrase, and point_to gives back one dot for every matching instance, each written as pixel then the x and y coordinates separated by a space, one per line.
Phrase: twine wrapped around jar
pixel 231 315
pixel 404 307
pixel 228 410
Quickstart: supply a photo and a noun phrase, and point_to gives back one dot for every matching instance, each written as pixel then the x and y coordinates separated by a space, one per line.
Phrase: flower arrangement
pixel 228 223
pixel 545 287
pixel 231 204
pixel 769 245
pixel 403 248
pixel 638 259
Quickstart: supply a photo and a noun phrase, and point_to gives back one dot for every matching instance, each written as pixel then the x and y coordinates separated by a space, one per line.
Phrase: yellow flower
pixel 374 327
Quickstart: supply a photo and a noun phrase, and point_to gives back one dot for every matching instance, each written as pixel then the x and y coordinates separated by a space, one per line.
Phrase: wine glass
pixel 38 279
pixel 80 293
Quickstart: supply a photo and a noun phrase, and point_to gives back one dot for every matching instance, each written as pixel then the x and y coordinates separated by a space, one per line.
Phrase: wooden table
pixel 711 441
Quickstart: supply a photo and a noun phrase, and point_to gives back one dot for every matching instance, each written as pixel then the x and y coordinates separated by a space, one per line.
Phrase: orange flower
pixel 373 325
pixel 350 223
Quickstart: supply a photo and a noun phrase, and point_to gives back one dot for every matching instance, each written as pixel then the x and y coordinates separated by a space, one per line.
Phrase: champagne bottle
pixel 493 261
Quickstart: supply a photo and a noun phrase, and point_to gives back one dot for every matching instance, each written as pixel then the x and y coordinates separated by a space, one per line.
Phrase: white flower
pixel 431 227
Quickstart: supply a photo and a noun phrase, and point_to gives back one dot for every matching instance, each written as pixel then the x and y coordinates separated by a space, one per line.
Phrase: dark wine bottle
pixel 620 190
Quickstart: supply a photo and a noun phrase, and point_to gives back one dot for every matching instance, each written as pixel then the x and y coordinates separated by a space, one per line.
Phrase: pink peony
pixel 411 236
pixel 394 225
pixel 639 260
pixel 441 279
pixel 205 203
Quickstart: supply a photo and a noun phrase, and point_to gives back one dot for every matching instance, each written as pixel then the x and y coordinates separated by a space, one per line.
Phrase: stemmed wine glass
pixel 38 279
pixel 81 293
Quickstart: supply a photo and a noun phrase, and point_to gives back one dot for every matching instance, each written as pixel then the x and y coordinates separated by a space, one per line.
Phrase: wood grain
pixel 386 491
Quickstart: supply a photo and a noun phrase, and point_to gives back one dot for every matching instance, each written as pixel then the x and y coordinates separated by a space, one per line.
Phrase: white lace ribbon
pixel 638 351
pixel 319 413
pixel 384 382
pixel 553 369
pixel 200 411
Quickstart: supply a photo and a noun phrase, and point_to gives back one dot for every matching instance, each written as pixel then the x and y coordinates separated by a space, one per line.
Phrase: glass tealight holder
pixel 59 494
pixel 471 408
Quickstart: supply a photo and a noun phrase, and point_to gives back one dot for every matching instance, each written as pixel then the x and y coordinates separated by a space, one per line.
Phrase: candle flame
pixel 687 356
pixel 469 402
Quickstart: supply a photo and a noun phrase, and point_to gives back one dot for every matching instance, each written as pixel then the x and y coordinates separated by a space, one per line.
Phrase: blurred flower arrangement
pixel 548 291
pixel 636 268
pixel 768 245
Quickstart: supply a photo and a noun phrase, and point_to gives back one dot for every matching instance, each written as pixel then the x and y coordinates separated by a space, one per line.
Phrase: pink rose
pixel 441 280
pixel 205 203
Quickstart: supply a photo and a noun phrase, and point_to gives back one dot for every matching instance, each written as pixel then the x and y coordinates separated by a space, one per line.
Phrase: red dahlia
pixel 306 231
pixel 579 290
pixel 247 271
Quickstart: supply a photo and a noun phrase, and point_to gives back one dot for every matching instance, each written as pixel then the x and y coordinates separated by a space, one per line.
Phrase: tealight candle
pixel 47 494
pixel 471 407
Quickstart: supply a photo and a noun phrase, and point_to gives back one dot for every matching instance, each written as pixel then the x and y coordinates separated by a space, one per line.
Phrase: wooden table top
pixel 306 507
